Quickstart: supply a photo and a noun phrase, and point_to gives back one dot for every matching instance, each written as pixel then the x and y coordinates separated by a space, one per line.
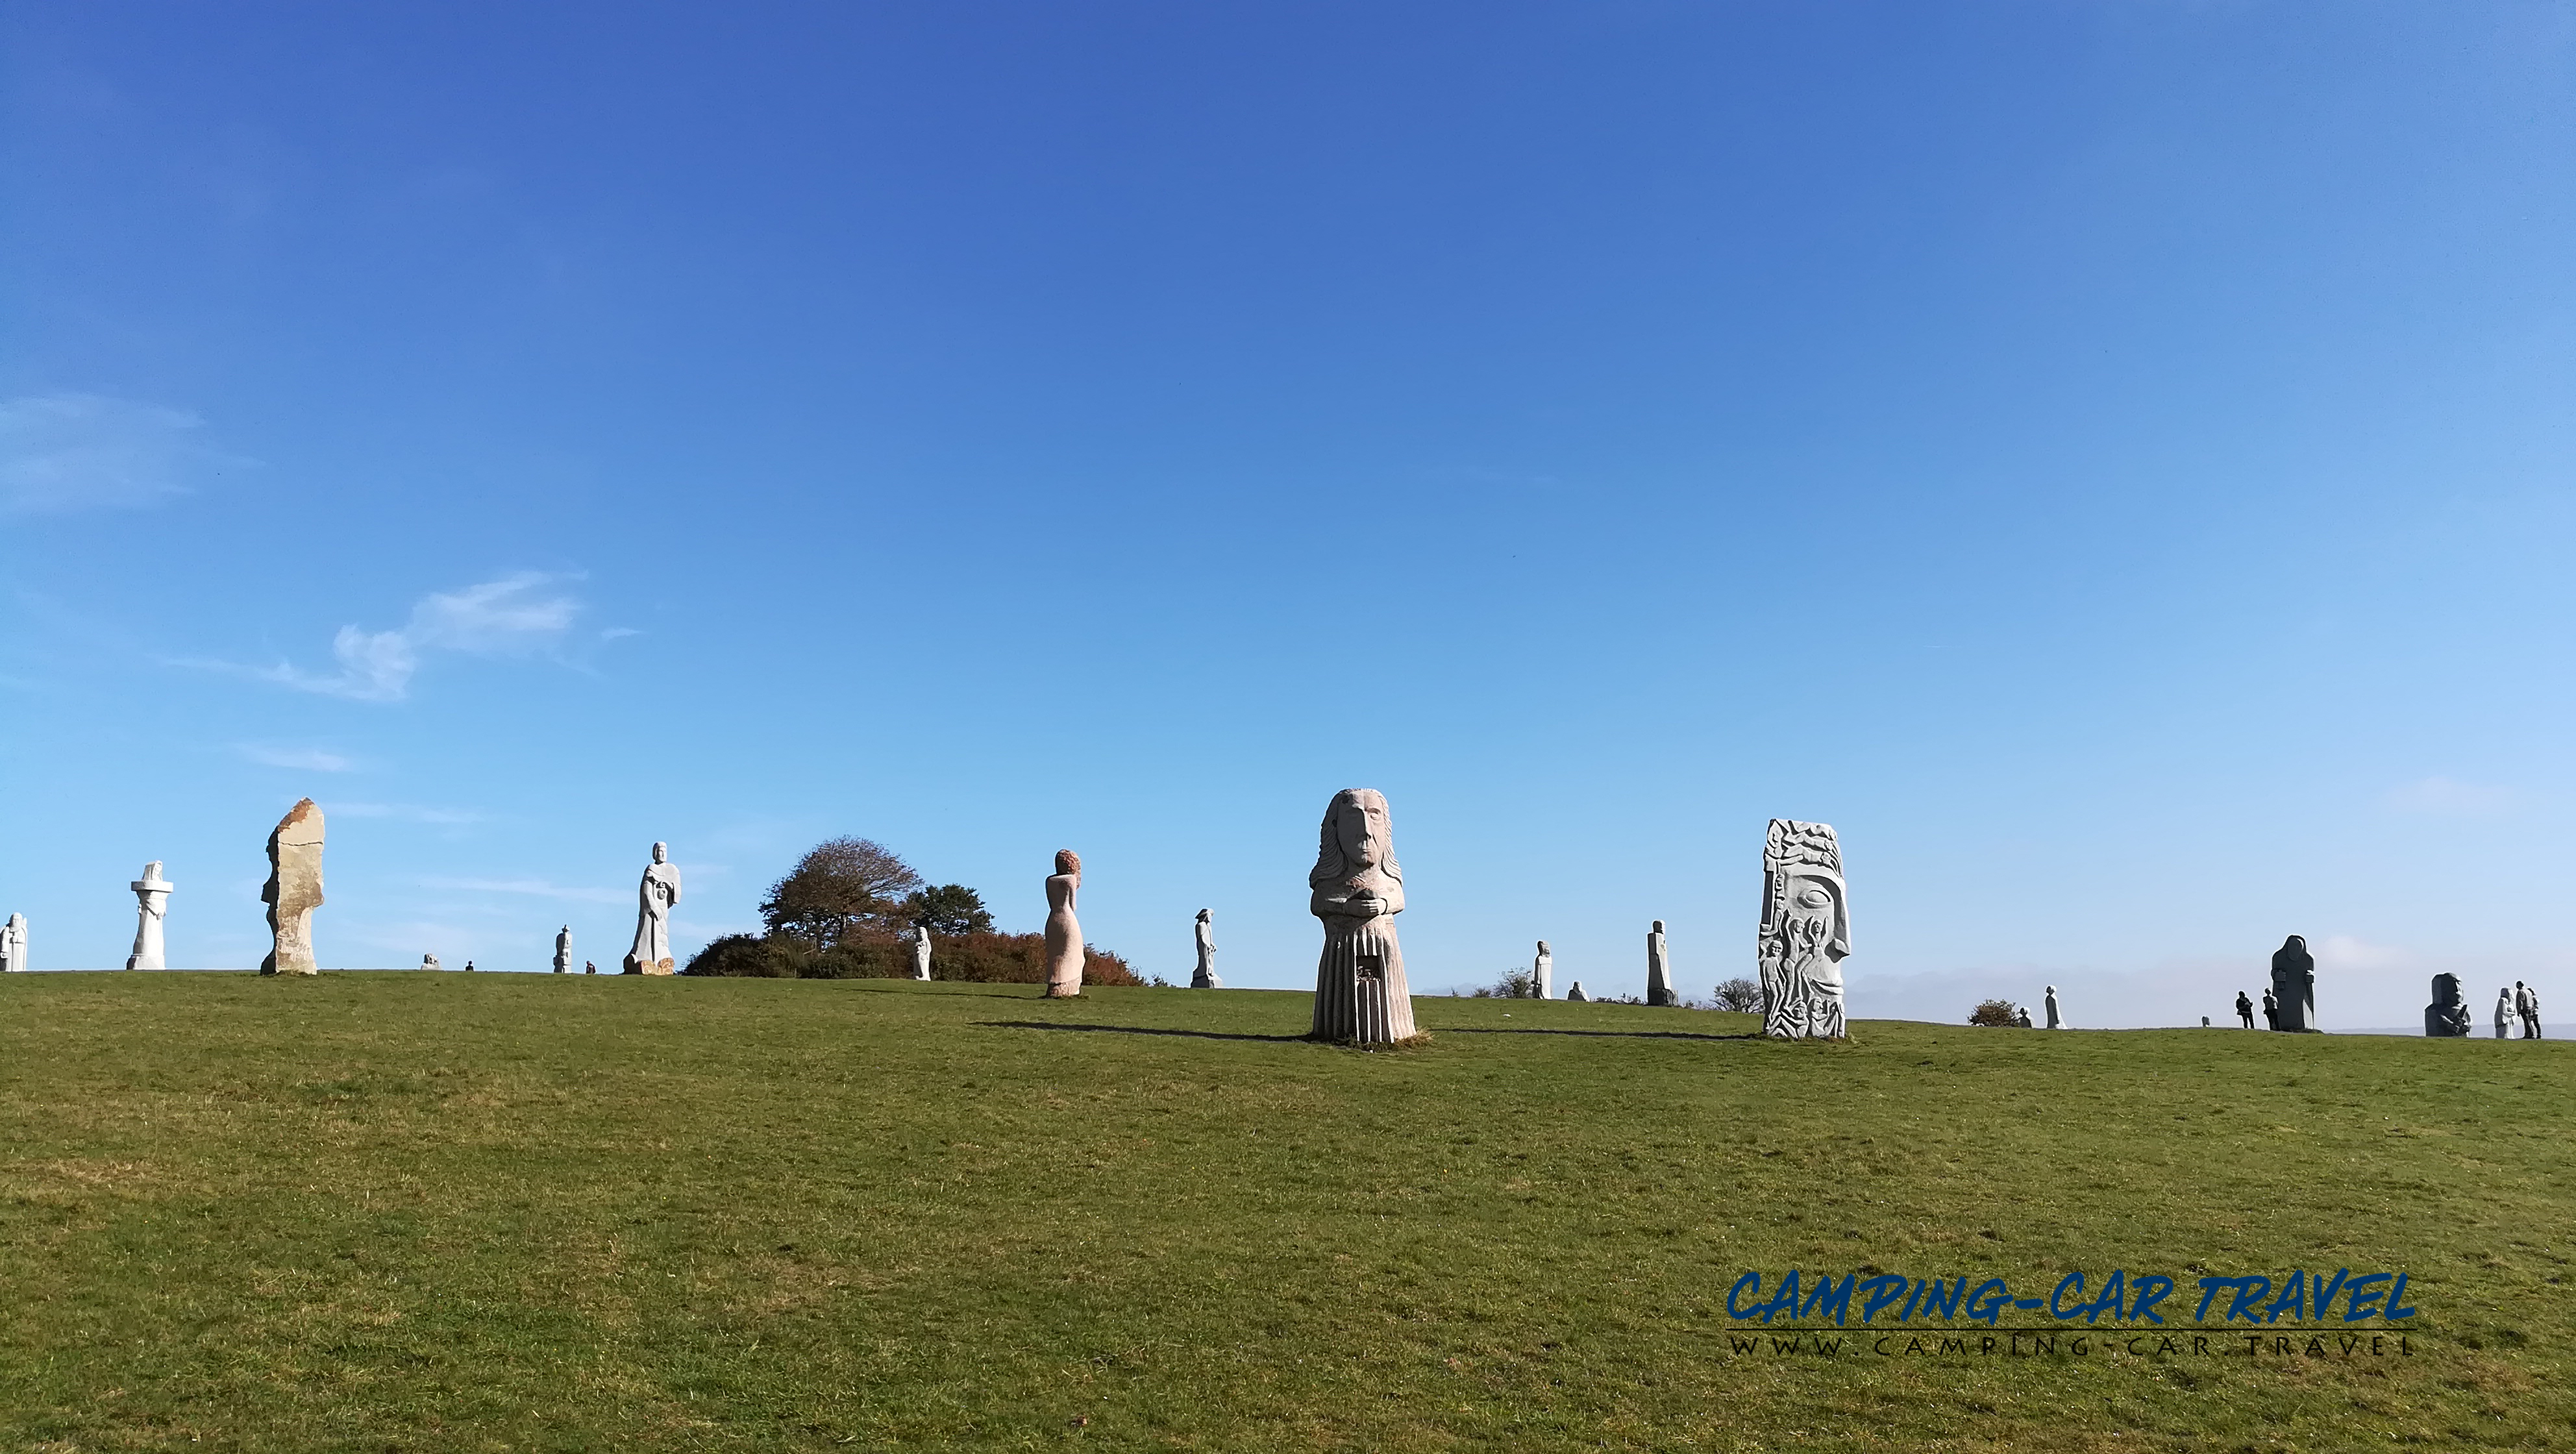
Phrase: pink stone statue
pixel 1063 931
pixel 1360 994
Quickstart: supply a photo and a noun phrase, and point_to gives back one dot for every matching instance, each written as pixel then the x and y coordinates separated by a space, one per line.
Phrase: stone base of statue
pixel 658 966
pixel 1360 994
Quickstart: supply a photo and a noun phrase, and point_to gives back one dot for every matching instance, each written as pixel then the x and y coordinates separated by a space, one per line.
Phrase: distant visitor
pixel 1204 932
pixel 1063 930
pixel 2527 1001
pixel 2245 1009
pixel 2294 986
pixel 1805 933
pixel 1357 889
pixel 653 900
pixel 151 907
pixel 294 890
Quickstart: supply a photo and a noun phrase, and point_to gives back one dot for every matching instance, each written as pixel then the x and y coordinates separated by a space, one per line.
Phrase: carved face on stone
pixel 1814 917
pixel 661 853
pixel 1360 828
pixel 1203 915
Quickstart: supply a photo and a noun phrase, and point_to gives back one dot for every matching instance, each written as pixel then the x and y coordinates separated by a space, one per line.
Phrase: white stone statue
pixel 1659 969
pixel 430 961
pixel 921 951
pixel 2504 1010
pixel 1204 977
pixel 1357 889
pixel 294 890
pixel 1805 933
pixel 563 950
pixel 1063 930
pixel 13 944
pixel 1576 993
pixel 2055 1021
pixel 1541 968
pixel 653 900
pixel 151 906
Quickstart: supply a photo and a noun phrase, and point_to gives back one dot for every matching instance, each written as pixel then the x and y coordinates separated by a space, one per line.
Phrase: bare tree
pixel 1740 995
pixel 840 888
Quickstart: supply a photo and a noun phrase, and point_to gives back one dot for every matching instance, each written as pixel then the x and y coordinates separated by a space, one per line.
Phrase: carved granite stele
pixel 1659 969
pixel 1204 932
pixel 151 907
pixel 1063 930
pixel 13 944
pixel 2448 1015
pixel 294 890
pixel 1356 888
pixel 1805 933
pixel 563 950
pixel 1543 973
pixel 2294 986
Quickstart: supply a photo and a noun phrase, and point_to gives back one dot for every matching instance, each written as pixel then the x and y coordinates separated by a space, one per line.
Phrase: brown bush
pixel 1015 959
pixel 1993 1012
pixel 870 953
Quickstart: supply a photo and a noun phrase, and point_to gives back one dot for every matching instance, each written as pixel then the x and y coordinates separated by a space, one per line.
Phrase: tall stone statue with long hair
pixel 294 890
pixel 1204 977
pixel 1357 890
pixel 1063 930
pixel 1805 934
pixel 654 897
pixel 2294 984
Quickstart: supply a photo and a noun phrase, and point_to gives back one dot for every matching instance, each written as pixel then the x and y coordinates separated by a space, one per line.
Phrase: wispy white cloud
pixel 2449 797
pixel 302 759
pixel 404 812
pixel 536 887
pixel 63 452
pixel 517 615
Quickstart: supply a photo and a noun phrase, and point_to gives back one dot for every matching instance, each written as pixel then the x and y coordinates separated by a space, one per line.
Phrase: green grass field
pixel 415 1212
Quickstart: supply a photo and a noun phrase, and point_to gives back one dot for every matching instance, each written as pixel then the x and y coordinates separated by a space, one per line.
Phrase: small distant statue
pixel 1542 973
pixel 2055 1020
pixel 2021 1017
pixel 1357 889
pixel 430 961
pixel 2245 1009
pixel 2448 1015
pixel 2504 1012
pixel 563 950
pixel 1805 933
pixel 2294 983
pixel 469 966
pixel 1063 931
pixel 921 951
pixel 1576 994
pixel 654 897
pixel 1659 969
pixel 2271 1011
pixel 2204 1022
pixel 13 944
pixel 2527 1000
pixel 294 890
pixel 151 907
pixel 1204 977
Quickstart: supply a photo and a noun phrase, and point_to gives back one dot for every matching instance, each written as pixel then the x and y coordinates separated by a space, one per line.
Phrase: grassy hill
pixel 417 1212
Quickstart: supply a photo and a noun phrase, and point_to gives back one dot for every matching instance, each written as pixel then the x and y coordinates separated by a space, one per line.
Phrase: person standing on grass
pixel 2526 1002
pixel 2271 1011
pixel 2245 1009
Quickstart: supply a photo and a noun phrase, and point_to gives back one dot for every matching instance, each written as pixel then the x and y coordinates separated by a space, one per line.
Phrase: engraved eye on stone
pixel 1816 898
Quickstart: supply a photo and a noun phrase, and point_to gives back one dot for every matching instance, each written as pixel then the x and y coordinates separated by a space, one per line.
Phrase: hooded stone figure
pixel 2294 984
pixel 1357 889
pixel 2448 1015
pixel 654 897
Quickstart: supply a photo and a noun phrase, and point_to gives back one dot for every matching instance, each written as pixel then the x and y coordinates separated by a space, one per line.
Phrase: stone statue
pixel 1063 931
pixel 1659 969
pixel 1357 890
pixel 653 900
pixel 563 950
pixel 294 890
pixel 1542 973
pixel 1576 994
pixel 430 961
pixel 2049 1003
pixel 1805 933
pixel 13 944
pixel 2448 1015
pixel 1204 977
pixel 2504 1012
pixel 469 966
pixel 2294 985
pixel 921 951
pixel 151 906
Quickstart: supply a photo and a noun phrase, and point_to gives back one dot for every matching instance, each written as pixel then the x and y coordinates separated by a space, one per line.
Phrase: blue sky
pixel 2112 461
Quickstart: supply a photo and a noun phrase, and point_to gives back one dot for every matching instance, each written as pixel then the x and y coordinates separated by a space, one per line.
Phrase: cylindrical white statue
pixel 653 900
pixel 151 906
pixel 1063 931
pixel 1659 969
pixel 1543 973
pixel 921 951
pixel 1357 890
pixel 13 944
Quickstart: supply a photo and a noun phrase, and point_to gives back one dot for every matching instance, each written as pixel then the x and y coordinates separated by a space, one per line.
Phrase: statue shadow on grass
pixel 1135 1030
pixel 1607 1034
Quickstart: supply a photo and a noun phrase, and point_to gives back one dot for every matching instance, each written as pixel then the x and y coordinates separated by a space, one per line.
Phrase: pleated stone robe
pixel 1358 889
